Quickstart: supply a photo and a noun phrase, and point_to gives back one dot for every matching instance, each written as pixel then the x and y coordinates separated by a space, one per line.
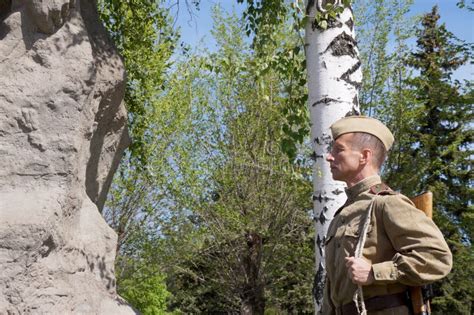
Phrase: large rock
pixel 62 132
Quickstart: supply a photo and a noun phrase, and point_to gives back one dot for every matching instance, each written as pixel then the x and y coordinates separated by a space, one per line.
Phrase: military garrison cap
pixel 363 124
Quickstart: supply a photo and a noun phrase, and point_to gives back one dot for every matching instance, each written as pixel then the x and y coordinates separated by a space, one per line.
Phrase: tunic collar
pixel 362 186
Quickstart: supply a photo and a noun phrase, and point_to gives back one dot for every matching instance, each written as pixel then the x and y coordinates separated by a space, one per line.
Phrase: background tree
pixel 142 32
pixel 141 202
pixel 195 146
pixel 380 24
pixel 254 245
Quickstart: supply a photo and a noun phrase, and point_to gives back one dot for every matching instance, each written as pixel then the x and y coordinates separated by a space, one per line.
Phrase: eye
pixel 338 148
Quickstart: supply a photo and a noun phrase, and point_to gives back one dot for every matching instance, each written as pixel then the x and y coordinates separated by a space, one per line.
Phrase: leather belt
pixel 377 303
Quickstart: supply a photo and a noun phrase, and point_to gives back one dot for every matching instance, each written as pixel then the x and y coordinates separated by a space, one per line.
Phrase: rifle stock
pixel 424 202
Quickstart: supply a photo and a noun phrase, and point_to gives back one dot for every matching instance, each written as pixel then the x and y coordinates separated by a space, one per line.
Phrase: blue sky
pixel 195 30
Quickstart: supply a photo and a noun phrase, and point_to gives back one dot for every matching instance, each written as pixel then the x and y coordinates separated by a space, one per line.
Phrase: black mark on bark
pixel 319 282
pixel 342 45
pixel 319 242
pixel 355 102
pixel 346 75
pixel 321 197
pixel 322 218
pixel 350 24
pixel 325 139
pixel 315 156
pixel 333 23
pixel 309 6
pixel 325 100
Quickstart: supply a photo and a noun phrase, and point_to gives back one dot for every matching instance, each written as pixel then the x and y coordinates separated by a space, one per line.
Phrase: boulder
pixel 62 133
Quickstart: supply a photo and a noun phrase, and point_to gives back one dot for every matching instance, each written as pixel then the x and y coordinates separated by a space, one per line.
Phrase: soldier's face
pixel 344 160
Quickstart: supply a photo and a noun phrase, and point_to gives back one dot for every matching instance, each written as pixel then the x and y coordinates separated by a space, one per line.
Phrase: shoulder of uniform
pixel 395 200
pixel 382 189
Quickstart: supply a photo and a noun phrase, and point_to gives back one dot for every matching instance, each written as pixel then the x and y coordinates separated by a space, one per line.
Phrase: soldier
pixel 378 243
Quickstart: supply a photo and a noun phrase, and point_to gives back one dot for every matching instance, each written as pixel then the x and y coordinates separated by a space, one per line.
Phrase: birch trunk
pixel 334 78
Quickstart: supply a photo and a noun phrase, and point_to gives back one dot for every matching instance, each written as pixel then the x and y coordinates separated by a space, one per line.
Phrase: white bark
pixel 334 77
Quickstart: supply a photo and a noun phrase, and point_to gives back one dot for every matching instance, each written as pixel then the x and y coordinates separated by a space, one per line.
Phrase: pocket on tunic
pixel 351 237
pixel 352 231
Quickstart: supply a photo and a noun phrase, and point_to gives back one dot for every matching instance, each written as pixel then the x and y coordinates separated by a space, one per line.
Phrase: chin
pixel 338 177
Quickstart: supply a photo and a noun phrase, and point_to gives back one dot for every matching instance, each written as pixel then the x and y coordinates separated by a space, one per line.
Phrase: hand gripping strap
pixel 358 297
pixel 379 189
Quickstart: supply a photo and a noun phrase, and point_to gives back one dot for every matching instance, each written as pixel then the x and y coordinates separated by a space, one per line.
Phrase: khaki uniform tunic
pixel 404 247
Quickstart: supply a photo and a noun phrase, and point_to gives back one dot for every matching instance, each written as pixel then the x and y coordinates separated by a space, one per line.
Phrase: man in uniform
pixel 402 247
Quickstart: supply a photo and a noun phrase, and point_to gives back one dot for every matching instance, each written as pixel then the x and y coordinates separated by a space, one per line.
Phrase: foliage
pixel 328 14
pixel 162 202
pixel 376 22
pixel 462 4
pixel 146 292
pixel 142 205
pixel 142 32
pixel 254 218
pixel 261 18
pixel 443 135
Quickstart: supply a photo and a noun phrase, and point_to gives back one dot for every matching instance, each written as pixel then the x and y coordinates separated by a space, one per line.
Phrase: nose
pixel 329 157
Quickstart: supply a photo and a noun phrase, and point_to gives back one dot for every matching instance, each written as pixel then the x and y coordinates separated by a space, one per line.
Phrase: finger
pixel 349 261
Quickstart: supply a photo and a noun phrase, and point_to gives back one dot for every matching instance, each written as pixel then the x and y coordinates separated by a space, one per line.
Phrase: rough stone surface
pixel 62 132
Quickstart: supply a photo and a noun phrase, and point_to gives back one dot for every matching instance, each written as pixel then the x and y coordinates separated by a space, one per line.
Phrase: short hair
pixel 362 140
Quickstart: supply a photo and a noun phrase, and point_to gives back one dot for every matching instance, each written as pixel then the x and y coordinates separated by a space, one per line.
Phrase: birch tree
pixel 334 78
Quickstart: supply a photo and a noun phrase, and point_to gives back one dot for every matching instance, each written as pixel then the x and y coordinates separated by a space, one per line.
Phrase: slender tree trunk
pixel 253 298
pixel 334 78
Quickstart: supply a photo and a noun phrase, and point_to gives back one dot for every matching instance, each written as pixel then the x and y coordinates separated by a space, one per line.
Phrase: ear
pixel 366 156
